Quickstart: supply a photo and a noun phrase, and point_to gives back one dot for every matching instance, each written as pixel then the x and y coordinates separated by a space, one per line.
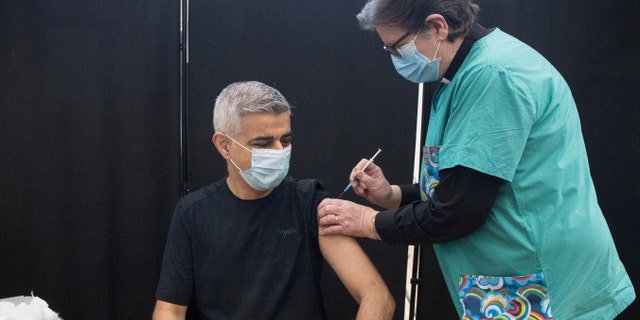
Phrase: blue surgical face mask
pixel 414 66
pixel 268 167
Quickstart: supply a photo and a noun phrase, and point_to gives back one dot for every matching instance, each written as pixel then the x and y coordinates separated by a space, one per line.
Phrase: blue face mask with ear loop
pixel 268 167
pixel 414 66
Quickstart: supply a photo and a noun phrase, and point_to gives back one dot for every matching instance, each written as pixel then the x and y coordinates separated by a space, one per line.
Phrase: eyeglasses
pixel 391 48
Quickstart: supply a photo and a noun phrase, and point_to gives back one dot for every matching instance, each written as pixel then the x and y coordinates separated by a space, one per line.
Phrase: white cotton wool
pixel 35 309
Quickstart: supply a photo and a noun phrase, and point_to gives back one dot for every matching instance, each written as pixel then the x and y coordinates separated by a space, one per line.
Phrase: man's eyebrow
pixel 261 139
pixel 268 138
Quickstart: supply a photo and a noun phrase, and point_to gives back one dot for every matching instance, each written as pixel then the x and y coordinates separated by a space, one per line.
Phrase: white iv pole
pixel 413 253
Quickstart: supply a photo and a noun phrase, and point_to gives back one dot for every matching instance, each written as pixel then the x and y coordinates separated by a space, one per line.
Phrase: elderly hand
pixel 373 186
pixel 344 217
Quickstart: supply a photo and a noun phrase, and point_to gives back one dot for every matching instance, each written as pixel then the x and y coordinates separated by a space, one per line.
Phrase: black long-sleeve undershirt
pixel 461 203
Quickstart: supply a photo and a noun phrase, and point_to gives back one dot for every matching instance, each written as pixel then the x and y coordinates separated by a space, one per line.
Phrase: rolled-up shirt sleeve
pixel 460 204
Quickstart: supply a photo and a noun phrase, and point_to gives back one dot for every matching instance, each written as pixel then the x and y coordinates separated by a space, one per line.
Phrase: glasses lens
pixel 391 48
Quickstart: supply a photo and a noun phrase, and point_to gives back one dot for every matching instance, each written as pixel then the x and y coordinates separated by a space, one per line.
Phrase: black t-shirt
pixel 246 259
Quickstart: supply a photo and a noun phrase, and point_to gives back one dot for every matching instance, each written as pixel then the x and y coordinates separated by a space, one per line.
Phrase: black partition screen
pixel 90 98
pixel 89 141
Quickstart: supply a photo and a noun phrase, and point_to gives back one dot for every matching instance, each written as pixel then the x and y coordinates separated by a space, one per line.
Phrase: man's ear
pixel 438 23
pixel 222 143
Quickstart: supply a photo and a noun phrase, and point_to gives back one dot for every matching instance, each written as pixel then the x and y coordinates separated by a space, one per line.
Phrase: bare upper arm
pixel 351 264
pixel 169 311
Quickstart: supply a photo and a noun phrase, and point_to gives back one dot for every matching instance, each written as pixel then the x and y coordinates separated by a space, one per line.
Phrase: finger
pixel 330 201
pixel 361 164
pixel 358 189
pixel 357 169
pixel 368 173
pixel 326 207
pixel 322 207
pixel 373 167
pixel 364 184
pixel 355 183
pixel 325 221
pixel 330 230
pixel 352 175
pixel 329 219
pixel 361 175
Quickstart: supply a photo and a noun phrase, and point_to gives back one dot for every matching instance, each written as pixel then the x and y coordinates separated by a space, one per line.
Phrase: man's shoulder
pixel 305 186
pixel 212 190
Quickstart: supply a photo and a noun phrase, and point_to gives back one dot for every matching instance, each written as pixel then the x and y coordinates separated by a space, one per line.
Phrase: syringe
pixel 363 168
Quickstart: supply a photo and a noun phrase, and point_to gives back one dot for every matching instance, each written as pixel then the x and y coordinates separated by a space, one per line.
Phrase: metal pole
pixel 413 252
pixel 184 94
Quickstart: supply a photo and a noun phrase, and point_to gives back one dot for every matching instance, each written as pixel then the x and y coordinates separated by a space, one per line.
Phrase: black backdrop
pixel 90 127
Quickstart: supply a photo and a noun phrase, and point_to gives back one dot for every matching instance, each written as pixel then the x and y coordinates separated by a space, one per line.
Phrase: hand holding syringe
pixel 363 168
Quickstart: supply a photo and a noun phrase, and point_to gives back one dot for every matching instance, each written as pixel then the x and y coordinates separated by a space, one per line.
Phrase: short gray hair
pixel 460 15
pixel 241 98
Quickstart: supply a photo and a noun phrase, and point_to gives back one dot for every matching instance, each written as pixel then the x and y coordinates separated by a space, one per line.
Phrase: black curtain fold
pixel 90 163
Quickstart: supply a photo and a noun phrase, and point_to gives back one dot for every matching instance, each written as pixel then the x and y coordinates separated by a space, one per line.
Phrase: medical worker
pixel 505 192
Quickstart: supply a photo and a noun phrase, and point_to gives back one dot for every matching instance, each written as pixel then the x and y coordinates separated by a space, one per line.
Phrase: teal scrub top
pixel 545 250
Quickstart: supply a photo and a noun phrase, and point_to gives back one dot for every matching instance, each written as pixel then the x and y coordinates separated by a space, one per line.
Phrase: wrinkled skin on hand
pixel 336 216
pixel 371 184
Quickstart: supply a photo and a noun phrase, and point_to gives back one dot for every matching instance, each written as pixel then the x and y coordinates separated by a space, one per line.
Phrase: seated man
pixel 247 246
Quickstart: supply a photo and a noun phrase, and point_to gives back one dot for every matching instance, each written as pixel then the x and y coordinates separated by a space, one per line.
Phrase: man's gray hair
pixel 409 15
pixel 241 98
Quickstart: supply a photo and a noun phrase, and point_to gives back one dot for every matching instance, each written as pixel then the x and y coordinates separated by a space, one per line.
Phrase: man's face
pixel 265 131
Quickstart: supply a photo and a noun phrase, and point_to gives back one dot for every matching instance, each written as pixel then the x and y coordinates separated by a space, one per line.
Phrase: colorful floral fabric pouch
pixel 430 177
pixel 512 298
